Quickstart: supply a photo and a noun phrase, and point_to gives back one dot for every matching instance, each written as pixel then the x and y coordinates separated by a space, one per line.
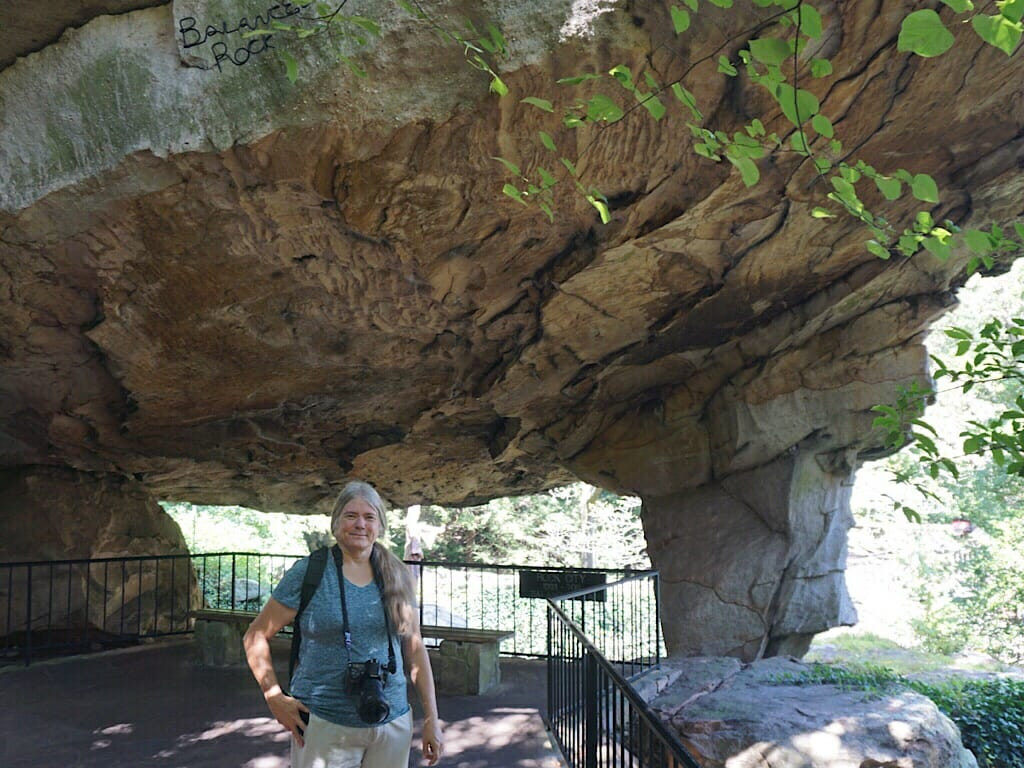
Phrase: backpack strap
pixel 310 582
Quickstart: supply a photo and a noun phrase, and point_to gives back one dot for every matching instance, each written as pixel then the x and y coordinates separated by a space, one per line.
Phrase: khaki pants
pixel 339 746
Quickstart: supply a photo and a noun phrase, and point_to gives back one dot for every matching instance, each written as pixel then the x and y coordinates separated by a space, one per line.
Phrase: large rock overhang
pixel 235 290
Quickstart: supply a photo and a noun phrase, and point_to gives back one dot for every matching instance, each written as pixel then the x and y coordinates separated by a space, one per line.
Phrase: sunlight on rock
pixel 764 753
pixel 901 732
pixel 116 730
pixel 582 16
pixel 100 744
pixel 818 743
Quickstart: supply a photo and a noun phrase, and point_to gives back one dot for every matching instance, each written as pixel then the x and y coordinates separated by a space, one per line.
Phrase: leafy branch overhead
pixel 776 60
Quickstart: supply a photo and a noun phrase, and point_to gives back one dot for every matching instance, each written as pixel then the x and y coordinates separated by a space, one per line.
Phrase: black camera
pixel 367 680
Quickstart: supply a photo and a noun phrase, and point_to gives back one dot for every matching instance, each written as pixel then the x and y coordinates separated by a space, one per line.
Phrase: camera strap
pixel 392 663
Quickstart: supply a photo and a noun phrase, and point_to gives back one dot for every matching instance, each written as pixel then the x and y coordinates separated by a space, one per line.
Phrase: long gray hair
pixel 399 594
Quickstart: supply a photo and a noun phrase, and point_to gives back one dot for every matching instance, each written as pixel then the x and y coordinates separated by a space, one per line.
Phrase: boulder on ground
pixel 735 715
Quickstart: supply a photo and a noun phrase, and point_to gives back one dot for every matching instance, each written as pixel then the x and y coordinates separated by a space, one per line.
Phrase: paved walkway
pixel 152 706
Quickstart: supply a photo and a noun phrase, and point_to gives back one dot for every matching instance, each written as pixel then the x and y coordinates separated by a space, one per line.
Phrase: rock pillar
pixel 752 565
pixel 52 515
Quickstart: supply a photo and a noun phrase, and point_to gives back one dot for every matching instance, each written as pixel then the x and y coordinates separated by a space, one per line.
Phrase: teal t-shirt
pixel 319 678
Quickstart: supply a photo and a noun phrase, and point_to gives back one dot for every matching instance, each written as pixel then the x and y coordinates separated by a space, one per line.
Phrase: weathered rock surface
pixel 51 513
pixel 231 289
pixel 734 715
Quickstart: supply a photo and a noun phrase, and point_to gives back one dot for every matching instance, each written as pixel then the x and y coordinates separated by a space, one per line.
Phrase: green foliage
pixel 989 713
pixel 556 527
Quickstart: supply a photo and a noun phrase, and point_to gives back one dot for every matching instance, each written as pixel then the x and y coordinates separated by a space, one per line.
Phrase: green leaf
pixel 821 213
pixel 512 167
pixel 544 104
pixel 568 165
pixel 821 67
pixel 798 141
pixel 691 4
pixel 912 515
pixel 602 208
pixel 823 126
pixel 547 210
pixel 877 249
pixel 498 86
pixel 600 107
pixel 1011 9
pixel 291 67
pixel 938 248
pixel 547 141
pixel 546 179
pixel 512 191
pixel 688 99
pixel 796 102
pixel 923 33
pixel 624 76
pixel 843 188
pixel 680 19
pixel 808 19
pixel 578 79
pixel 725 67
pixel 749 171
pixel 924 188
pixel 960 6
pixel 998 31
pixel 891 189
pixel 822 165
pixel 368 24
pixel 654 105
pixel 770 50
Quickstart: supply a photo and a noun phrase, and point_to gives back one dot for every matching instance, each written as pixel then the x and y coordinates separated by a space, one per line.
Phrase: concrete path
pixel 153 706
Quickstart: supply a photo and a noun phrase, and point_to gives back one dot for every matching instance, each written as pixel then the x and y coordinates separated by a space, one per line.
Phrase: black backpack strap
pixel 310 582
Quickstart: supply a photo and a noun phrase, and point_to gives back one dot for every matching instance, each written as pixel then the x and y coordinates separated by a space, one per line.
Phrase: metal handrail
pixel 69 605
pixel 593 712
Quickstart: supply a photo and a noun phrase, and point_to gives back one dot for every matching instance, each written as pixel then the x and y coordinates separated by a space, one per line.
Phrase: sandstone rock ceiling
pixel 337 288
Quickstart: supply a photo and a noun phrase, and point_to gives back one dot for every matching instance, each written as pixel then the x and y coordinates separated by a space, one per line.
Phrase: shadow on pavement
pixel 154 706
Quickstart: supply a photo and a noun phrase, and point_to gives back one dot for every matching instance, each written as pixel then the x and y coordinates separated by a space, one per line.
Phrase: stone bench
pixel 218 634
pixel 466 662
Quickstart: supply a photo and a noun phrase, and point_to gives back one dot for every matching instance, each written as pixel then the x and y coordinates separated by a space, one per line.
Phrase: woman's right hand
pixel 287 711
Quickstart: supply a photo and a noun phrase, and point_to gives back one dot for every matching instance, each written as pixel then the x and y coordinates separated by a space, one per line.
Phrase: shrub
pixel 989 714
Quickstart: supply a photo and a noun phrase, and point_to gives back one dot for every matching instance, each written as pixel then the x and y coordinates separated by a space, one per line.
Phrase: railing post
pixel 591 725
pixel 657 619
pixel 28 617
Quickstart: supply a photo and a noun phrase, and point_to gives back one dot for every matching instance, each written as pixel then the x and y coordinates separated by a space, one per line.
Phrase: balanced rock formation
pixel 231 289
pixel 122 578
pixel 733 715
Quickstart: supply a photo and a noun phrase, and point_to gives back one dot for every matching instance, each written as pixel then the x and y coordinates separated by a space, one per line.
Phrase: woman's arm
pixel 272 619
pixel 418 666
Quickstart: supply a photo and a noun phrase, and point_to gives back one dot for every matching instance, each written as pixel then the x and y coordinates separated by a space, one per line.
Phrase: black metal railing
pixel 68 606
pixel 505 597
pixel 58 607
pixel 596 717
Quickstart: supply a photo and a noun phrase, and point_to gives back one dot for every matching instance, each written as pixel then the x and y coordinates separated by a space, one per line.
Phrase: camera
pixel 367 680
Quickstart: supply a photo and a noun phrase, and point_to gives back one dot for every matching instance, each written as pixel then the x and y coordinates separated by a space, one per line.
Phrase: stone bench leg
pixel 220 643
pixel 465 668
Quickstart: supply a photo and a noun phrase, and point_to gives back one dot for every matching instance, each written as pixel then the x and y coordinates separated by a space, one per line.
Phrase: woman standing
pixel 360 637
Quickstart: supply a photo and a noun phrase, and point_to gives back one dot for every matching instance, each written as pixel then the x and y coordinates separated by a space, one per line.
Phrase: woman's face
pixel 358 526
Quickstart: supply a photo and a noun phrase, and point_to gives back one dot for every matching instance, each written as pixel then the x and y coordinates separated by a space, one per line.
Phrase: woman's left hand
pixel 433 742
